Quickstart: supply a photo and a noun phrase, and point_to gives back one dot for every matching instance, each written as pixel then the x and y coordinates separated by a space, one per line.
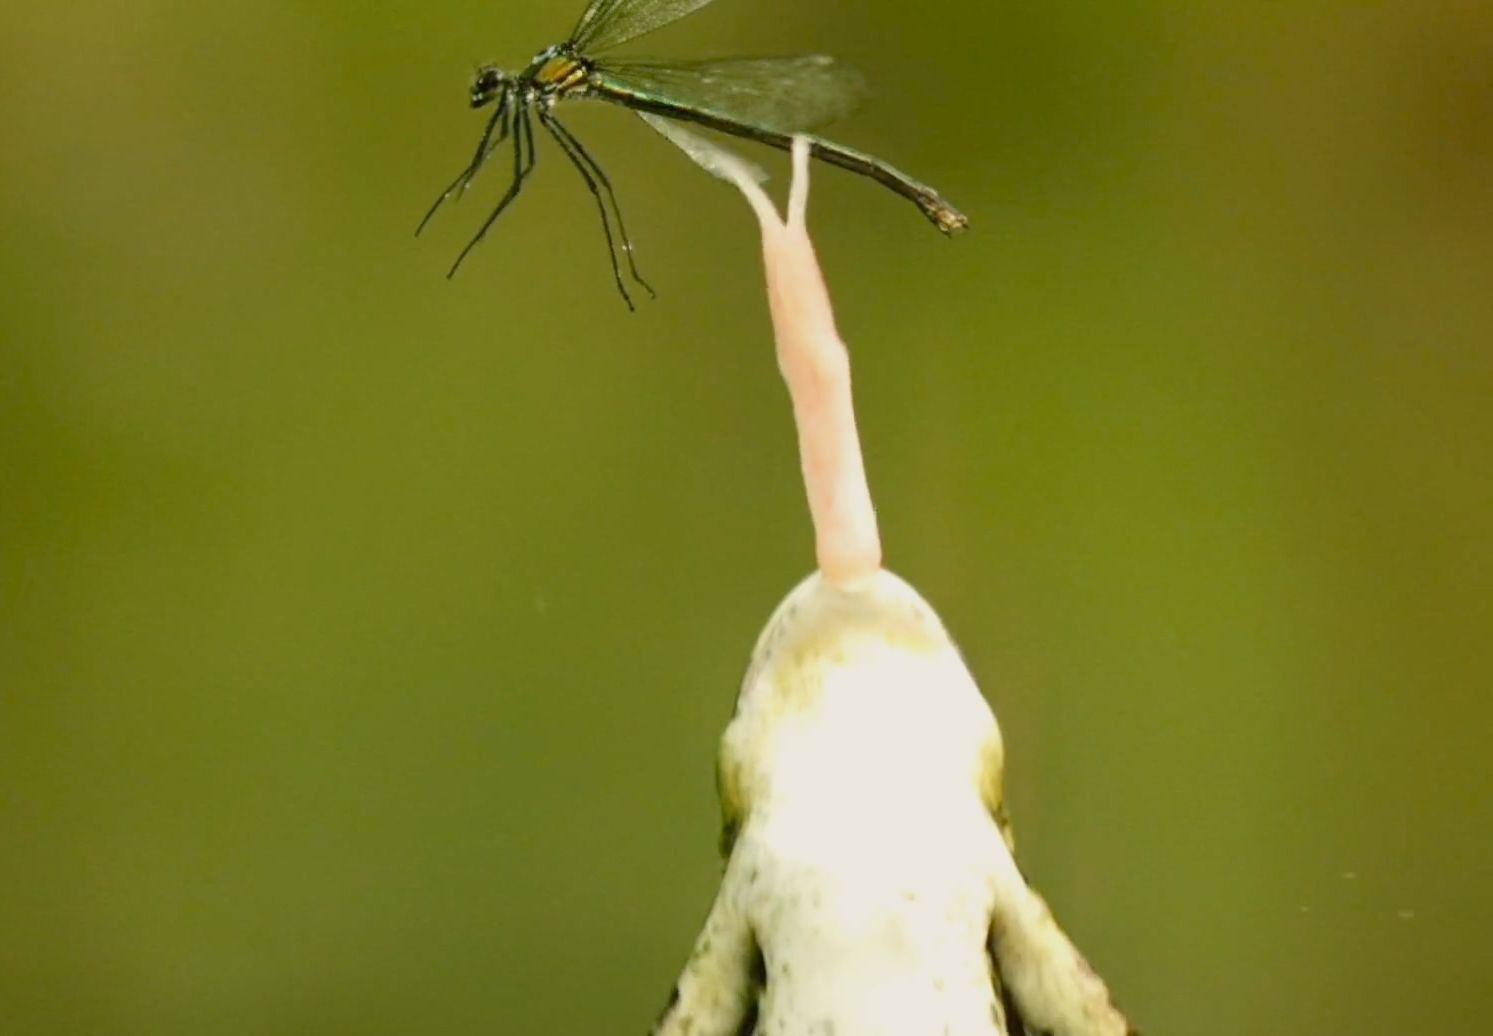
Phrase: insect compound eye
pixel 486 86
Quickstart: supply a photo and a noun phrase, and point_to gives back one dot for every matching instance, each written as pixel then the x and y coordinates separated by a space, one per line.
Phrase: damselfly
pixel 762 99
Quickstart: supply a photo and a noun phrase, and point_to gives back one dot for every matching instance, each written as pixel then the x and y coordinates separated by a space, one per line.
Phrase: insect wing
pixel 606 23
pixel 786 95
pixel 707 154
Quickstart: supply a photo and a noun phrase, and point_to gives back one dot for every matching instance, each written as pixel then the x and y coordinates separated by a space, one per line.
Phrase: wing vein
pixel 607 23
pixel 786 95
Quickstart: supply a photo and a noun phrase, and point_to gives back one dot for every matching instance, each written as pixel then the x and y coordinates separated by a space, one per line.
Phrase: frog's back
pixel 868 931
pixel 868 847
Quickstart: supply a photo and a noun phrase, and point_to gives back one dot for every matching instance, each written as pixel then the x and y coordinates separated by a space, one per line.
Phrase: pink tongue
pixel 816 366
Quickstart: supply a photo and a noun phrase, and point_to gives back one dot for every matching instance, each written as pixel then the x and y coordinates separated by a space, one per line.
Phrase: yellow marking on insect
pixel 561 72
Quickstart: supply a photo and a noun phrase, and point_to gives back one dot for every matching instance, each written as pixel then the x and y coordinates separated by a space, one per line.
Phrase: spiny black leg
pixel 442 199
pixel 529 137
pixel 522 166
pixel 483 150
pixel 606 224
pixel 488 144
pixel 617 209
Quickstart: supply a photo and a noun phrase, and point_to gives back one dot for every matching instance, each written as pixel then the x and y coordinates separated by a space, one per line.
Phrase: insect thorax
pixel 557 70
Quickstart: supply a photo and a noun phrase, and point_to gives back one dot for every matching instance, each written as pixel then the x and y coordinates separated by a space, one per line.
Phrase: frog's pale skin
pixel 870 887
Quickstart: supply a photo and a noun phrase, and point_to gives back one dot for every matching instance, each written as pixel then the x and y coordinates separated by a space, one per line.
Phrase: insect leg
pixel 567 144
pixel 616 209
pixel 523 163
pixel 485 147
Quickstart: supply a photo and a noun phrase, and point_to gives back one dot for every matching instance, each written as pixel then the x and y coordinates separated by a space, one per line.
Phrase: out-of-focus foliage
pixel 364 637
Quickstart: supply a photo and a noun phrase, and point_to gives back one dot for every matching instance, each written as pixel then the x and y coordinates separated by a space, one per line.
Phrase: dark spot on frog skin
pixel 758 979
pixel 673 1003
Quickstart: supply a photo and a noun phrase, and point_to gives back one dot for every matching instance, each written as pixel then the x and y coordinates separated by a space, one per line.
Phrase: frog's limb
pixel 1051 988
pixel 717 993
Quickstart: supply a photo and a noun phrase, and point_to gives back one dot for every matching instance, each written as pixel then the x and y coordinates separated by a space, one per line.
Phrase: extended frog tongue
pixel 816 366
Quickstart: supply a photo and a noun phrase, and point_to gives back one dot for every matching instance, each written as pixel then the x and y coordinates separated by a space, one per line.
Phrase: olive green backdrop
pixel 364 637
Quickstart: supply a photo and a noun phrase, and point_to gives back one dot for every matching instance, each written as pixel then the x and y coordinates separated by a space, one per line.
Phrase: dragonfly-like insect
pixel 763 99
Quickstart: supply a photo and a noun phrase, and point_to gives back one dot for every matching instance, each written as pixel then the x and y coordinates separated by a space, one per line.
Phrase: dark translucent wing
pixel 783 94
pixel 607 23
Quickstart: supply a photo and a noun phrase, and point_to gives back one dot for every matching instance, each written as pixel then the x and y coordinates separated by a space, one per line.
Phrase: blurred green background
pixel 364 637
